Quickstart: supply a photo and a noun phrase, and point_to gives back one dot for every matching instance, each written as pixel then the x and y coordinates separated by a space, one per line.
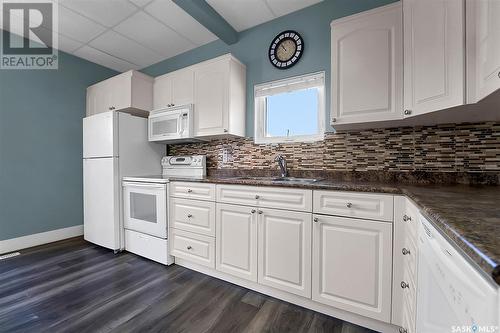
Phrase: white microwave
pixel 171 125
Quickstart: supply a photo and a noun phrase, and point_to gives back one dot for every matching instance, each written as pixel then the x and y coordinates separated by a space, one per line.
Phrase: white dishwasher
pixel 452 296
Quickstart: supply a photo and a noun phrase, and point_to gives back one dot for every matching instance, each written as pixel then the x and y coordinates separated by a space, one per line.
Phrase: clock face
pixel 286 49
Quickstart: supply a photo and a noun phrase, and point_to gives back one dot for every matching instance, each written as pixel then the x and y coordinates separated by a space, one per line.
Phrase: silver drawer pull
pixel 253 211
pixel 260 212
pixel 404 285
pixel 405 251
pixel 257 196
pixel 316 219
pixel 402 330
pixel 190 190
pixel 406 218
pixel 349 205
pixel 190 215
pixel 189 247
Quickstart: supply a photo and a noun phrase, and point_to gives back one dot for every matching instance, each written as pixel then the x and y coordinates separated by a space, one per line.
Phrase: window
pixel 290 110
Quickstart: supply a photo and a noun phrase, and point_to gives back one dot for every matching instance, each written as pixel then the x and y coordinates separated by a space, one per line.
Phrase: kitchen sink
pixel 280 179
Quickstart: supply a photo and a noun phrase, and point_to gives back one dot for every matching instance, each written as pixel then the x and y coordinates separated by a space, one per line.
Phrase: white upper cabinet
pixel 219 97
pixel 216 87
pixel 131 91
pixel 174 89
pixel 434 55
pixel 367 66
pixel 182 87
pixel 162 92
pixel 483 38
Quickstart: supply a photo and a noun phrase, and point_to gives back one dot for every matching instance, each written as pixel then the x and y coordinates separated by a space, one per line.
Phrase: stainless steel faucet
pixel 282 164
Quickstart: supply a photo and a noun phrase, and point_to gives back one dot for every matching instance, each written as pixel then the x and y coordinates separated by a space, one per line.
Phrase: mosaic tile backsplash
pixel 441 148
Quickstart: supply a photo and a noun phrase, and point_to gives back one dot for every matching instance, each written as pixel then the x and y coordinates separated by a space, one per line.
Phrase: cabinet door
pixel 98 98
pixel 236 241
pixel 367 62
pixel 91 101
pixel 162 92
pixel 285 250
pixel 211 98
pixel 434 60
pixel 182 87
pixel 119 92
pixel 352 262
pixel 487 27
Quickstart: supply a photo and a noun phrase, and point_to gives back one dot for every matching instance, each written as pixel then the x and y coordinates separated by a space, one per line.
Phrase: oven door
pixel 145 208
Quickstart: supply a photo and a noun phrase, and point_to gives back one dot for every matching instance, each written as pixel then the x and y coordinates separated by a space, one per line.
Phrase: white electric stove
pixel 145 206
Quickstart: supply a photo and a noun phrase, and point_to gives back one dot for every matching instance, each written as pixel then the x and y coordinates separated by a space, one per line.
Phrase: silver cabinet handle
pixel 110 108
pixel 315 219
pixel 260 212
pixel 404 285
pixel 349 205
pixel 189 247
pixel 190 215
pixel 334 120
pixel 225 130
pixel 190 191
pixel 257 196
pixel 253 211
pixel 407 112
pixel 402 330
pixel 406 218
pixel 405 251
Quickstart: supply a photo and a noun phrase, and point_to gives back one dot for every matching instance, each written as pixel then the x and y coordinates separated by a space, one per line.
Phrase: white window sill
pixel 295 139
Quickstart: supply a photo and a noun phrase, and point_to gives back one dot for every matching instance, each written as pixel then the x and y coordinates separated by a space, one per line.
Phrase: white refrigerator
pixel 115 144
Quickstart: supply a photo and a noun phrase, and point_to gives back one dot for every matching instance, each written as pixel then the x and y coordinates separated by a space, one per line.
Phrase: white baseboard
pixel 24 242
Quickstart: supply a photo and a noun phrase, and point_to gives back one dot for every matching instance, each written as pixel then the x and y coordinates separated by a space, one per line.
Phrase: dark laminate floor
pixel 74 286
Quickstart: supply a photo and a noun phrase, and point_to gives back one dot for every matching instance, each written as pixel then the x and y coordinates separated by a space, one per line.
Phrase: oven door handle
pixel 144 185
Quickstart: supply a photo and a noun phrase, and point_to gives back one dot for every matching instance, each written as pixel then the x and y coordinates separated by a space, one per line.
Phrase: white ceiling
pixel 133 34
pixel 244 14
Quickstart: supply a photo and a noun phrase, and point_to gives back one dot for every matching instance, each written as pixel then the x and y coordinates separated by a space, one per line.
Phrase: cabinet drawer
pixel 148 246
pixel 193 190
pixel 193 247
pixel 193 215
pixel 361 205
pixel 270 197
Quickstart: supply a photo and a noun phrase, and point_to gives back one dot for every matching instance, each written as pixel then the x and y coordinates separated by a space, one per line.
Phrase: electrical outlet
pixel 225 155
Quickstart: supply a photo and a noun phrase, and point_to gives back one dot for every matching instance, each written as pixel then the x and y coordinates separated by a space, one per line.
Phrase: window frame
pixel 289 84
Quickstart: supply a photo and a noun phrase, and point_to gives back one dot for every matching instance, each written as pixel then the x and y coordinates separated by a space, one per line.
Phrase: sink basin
pixel 295 180
pixel 279 179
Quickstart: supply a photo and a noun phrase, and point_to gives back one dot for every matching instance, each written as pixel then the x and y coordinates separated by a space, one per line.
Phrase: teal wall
pixel 313 23
pixel 41 115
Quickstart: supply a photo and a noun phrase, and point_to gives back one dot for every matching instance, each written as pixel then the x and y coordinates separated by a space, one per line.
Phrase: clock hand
pixel 283 47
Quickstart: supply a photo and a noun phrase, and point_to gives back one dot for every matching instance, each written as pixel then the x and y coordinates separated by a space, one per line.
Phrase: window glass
pixel 292 113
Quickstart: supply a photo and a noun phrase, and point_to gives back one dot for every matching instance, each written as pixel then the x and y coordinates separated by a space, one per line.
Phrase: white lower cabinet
pixel 285 250
pixel 236 240
pixel 196 248
pixel 193 215
pixel 330 261
pixel 352 262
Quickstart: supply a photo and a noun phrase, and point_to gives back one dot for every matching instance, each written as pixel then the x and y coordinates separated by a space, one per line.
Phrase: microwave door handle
pixel 180 124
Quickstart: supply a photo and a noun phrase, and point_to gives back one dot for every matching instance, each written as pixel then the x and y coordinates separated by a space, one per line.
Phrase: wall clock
pixel 286 49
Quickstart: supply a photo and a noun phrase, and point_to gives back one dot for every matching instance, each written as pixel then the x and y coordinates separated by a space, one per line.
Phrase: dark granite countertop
pixel 468 215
